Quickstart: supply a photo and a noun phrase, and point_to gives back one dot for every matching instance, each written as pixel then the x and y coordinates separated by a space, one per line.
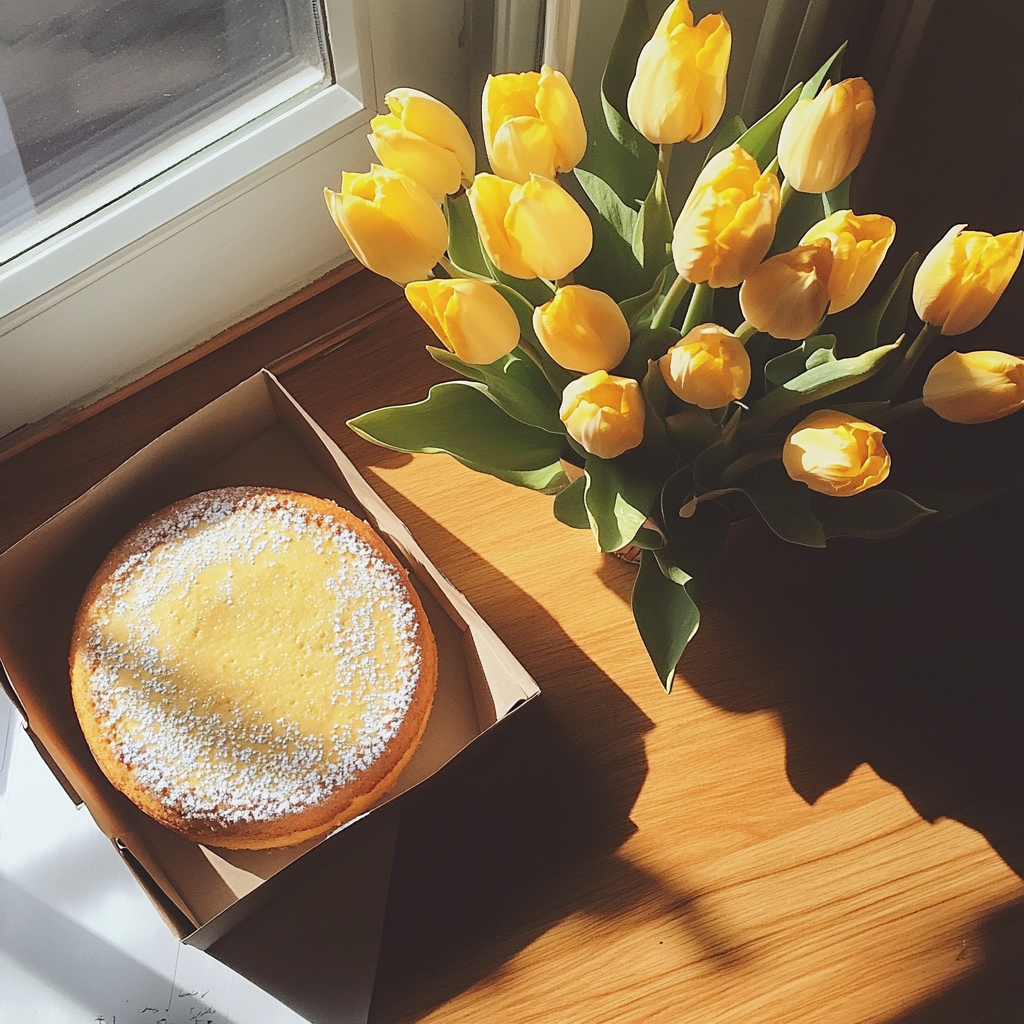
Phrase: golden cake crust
pixel 252 667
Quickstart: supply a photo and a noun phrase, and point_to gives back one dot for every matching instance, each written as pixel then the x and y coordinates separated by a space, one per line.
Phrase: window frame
pixel 224 234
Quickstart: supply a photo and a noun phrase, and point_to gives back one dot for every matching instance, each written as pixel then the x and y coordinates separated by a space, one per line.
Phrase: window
pixel 223 232
pixel 96 99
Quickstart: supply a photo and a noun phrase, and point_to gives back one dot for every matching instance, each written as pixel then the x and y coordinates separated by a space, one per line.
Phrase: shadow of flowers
pixel 903 654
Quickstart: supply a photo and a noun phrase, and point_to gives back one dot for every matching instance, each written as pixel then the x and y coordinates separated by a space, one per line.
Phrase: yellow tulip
pixel 962 278
pixel 858 245
pixel 470 317
pixel 424 139
pixel 708 368
pixel 836 454
pixel 823 139
pixel 728 221
pixel 975 387
pixel 390 223
pixel 787 295
pixel 532 125
pixel 605 414
pixel 678 92
pixel 582 329
pixel 532 230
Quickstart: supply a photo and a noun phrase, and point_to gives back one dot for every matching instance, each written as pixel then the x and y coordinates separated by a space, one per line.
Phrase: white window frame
pixel 220 236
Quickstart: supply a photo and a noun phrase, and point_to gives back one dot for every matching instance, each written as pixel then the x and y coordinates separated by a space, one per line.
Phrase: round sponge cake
pixel 252 667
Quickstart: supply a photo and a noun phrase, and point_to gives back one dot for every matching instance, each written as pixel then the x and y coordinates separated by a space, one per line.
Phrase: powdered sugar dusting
pixel 250 657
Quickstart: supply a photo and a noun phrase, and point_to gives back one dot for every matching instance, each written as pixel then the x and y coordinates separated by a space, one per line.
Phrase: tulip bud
pixel 532 125
pixel 708 368
pixel 728 222
pixel 582 329
pixel 390 223
pixel 823 139
pixel 787 295
pixel 604 414
pixel 962 278
pixel 470 317
pixel 678 92
pixel 975 387
pixel 424 139
pixel 531 230
pixel 836 454
pixel 858 245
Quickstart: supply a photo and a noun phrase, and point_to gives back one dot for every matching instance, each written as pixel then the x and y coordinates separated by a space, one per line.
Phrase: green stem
pixel 745 331
pixel 664 159
pixel 897 412
pixel 550 284
pixel 787 194
pixel 669 304
pixel 745 462
pixel 454 271
pixel 699 311
pixel 916 350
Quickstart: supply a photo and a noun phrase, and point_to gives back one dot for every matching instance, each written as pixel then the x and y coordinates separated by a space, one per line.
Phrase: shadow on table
pixel 524 830
pixel 903 654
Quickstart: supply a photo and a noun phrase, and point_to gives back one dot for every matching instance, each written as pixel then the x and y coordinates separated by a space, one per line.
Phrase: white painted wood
pixel 223 235
pixel 561 28
pixel 518 29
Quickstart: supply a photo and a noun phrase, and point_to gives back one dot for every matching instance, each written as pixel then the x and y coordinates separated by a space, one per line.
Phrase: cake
pixel 252 667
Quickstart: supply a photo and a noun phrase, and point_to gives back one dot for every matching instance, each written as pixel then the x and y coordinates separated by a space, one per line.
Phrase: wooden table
pixel 822 823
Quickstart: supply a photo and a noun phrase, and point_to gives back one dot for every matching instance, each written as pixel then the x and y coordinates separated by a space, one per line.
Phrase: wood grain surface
pixel 823 822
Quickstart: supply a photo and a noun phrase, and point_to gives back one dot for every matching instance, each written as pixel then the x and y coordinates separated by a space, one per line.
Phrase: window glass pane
pixel 96 98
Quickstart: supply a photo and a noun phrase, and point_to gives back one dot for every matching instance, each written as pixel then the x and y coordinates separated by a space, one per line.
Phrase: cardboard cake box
pixel 273 915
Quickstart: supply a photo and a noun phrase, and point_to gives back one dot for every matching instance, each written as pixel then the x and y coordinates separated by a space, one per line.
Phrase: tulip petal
pixel 552 233
pixel 490 198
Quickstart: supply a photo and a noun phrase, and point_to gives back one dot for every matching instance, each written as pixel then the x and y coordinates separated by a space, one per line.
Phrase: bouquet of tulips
pixel 663 376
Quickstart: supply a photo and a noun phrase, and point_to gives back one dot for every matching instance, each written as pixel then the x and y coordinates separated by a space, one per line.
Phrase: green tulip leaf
pixel 809 353
pixel 761 139
pixel 645 345
pixel 833 66
pixel 857 331
pixel 533 290
pixel 947 502
pixel 611 266
pixel 556 375
pixel 460 419
pixel 801 213
pixel 515 383
pixel 697 539
pixel 618 153
pixel 655 391
pixel 464 249
pixel 784 503
pixel 877 513
pixel 652 233
pixel 817 383
pixel 708 466
pixel 726 135
pixel 640 309
pixel 649 540
pixel 569 507
pixel 665 613
pixel 621 217
pixel 691 430
pixel 619 495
